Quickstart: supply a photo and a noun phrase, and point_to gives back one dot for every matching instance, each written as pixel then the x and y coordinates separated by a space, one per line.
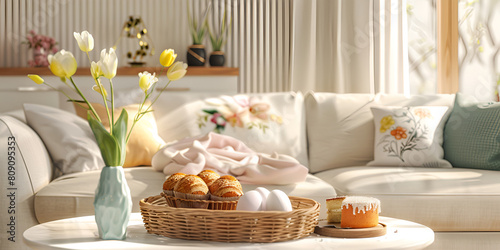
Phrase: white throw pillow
pixel 67 137
pixel 266 123
pixel 409 136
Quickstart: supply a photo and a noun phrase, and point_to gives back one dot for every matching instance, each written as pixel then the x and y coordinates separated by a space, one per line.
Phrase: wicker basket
pixel 208 204
pixel 229 226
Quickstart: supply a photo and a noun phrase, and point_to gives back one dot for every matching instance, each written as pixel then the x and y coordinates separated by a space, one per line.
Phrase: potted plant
pixel 196 54
pixel 218 38
pixel 42 47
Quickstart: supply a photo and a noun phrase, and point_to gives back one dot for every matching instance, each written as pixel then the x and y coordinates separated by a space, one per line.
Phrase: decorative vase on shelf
pixel 217 58
pixel 112 204
pixel 196 55
pixel 40 56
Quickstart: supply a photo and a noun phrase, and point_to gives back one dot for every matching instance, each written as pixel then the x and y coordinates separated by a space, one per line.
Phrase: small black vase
pixel 217 58
pixel 196 55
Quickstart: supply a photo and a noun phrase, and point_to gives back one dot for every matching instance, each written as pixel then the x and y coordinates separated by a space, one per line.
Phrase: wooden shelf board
pixel 124 71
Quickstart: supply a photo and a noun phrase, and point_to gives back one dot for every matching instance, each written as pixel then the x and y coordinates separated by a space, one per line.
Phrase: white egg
pixel 278 201
pixel 264 193
pixel 250 201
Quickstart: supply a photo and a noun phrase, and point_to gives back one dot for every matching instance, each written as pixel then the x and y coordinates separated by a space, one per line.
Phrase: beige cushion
pixel 73 195
pixel 340 128
pixel 443 199
pixel 144 140
pixel 335 123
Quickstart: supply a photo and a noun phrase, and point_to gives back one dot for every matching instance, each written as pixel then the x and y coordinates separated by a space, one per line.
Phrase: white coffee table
pixel 81 233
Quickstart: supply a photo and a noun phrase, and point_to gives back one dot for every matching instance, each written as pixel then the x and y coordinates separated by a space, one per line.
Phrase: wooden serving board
pixel 334 230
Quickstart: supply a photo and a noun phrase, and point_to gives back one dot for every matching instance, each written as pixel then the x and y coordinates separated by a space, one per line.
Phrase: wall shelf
pixel 17 89
pixel 124 71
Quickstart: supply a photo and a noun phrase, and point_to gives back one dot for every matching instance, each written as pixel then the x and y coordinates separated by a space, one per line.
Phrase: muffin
pixel 191 187
pixel 209 176
pixel 226 188
pixel 224 181
pixel 169 184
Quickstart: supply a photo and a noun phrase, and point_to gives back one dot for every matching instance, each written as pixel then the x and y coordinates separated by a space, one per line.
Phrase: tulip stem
pixel 86 101
pixel 161 91
pixel 90 61
pixel 64 93
pixel 111 124
pixel 98 82
pixel 141 113
pixel 131 128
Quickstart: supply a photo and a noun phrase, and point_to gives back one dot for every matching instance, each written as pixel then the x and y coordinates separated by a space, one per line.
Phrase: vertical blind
pixel 259 41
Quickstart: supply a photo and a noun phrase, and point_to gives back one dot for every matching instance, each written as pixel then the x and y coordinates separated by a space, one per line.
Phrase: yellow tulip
pixel 177 71
pixel 167 57
pixel 36 78
pixel 146 80
pixel 85 41
pixel 108 63
pixel 98 90
pixel 62 64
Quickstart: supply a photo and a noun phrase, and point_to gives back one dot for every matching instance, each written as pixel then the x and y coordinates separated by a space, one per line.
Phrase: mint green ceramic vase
pixel 112 204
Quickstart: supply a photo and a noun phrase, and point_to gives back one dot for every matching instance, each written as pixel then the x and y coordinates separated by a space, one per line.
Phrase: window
pixel 453 46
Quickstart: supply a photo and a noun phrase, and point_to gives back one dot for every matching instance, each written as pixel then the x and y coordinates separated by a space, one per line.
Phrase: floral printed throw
pixel 237 112
pixel 409 136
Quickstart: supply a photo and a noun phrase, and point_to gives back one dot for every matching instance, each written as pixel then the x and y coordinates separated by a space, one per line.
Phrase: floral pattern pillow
pixel 266 122
pixel 237 112
pixel 409 136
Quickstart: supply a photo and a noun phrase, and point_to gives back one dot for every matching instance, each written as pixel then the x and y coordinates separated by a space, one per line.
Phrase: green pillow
pixel 472 134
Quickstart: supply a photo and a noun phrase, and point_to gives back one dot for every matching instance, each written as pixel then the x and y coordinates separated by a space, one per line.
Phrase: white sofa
pixel 332 134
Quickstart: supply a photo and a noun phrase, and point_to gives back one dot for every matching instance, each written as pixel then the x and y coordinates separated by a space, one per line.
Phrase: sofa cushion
pixel 68 138
pixel 340 128
pixel 472 134
pixel 442 199
pixel 409 136
pixel 265 122
pixel 73 194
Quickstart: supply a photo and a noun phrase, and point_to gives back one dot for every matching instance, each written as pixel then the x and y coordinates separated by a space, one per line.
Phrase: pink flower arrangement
pixel 42 46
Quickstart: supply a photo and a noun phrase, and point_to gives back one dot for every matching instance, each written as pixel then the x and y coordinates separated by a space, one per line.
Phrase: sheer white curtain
pixel 349 46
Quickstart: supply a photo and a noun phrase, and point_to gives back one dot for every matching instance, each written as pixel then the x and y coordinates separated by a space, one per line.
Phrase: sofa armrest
pixel 26 168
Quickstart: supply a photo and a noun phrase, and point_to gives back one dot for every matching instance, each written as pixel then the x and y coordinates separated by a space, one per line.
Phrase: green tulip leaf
pixel 210 111
pixel 109 147
pixel 120 133
pixel 76 101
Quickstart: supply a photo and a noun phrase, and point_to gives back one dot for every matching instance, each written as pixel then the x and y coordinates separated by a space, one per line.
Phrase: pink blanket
pixel 228 156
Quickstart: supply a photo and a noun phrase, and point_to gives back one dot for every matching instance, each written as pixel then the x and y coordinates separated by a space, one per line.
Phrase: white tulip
pixel 108 63
pixel 85 41
pixel 146 80
pixel 177 71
